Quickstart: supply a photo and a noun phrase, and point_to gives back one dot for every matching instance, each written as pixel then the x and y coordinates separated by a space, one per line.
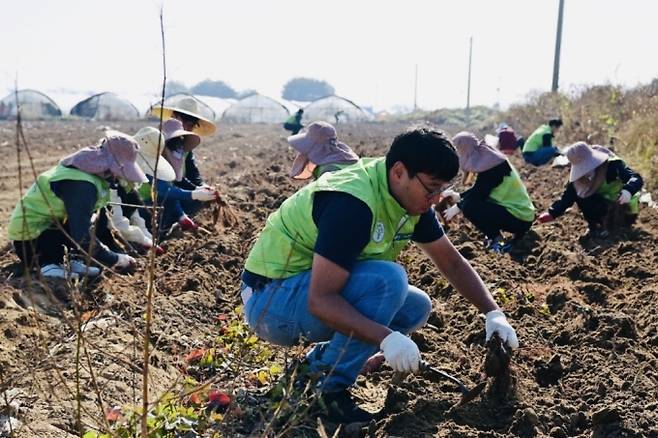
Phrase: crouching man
pixel 324 269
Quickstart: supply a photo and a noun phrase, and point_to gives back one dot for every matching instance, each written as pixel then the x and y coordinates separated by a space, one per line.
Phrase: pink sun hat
pixel 316 146
pixel 584 159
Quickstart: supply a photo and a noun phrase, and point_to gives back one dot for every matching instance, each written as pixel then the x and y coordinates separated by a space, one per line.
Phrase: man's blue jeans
pixel 541 156
pixel 379 290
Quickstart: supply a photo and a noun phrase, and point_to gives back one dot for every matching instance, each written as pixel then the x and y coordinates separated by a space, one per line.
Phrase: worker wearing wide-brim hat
pixel 159 171
pixel 598 179
pixel 56 211
pixel 498 201
pixel 319 151
pixel 187 111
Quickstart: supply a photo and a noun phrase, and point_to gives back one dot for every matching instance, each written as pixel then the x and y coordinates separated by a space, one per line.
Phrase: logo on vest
pixel 378 234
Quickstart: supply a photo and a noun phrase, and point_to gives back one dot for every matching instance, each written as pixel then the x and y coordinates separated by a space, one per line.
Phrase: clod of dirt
pixel 606 326
pixel 468 250
pixel 594 292
pixel 396 399
pixel 525 423
pixel 555 300
pixel 497 366
pixel 609 414
pixel 557 432
pixel 497 359
pixel 577 422
pixel 549 373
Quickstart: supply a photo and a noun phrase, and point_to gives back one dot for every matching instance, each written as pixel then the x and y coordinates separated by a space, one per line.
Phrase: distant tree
pixel 214 88
pixel 306 89
pixel 246 93
pixel 173 87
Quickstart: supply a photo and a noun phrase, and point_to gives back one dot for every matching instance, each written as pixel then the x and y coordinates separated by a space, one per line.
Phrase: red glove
pixel 545 217
pixel 158 249
pixel 187 224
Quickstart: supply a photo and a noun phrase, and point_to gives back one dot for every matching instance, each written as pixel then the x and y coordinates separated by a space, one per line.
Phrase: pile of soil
pixel 584 311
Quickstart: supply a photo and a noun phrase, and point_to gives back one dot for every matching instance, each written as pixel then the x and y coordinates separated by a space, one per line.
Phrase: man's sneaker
pixel 498 245
pixel 341 408
pixel 57 271
pixel 80 268
pixel 501 247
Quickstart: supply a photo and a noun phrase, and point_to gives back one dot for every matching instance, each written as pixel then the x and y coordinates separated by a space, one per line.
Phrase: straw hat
pixel 149 138
pixel 189 106
pixel 584 159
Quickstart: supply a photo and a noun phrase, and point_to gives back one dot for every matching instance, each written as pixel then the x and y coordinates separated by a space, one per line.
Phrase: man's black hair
pixel 557 122
pixel 424 150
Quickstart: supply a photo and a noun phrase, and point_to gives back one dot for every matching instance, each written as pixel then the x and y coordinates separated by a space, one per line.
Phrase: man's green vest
pixel 285 246
pixel 611 190
pixel 536 139
pixel 40 207
pixel 512 194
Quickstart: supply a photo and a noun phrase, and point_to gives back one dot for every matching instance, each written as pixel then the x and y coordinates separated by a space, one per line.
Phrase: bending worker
pixel 598 179
pixel 67 195
pixel 498 201
pixel 324 269
pixel 539 149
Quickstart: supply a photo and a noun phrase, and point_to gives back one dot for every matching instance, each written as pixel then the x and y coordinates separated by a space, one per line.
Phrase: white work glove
pixel 454 196
pixel 496 322
pixel 124 261
pixel 204 194
pixel 451 212
pixel 122 224
pixel 139 222
pixel 624 197
pixel 401 352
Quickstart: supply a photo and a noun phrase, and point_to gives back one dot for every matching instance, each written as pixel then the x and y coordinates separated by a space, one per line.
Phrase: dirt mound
pixel 584 311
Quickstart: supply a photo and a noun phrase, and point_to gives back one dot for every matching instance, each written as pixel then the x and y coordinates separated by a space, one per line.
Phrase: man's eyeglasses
pixel 430 193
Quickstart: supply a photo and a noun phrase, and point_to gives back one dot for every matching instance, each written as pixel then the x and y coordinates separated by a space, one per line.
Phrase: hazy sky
pixel 366 49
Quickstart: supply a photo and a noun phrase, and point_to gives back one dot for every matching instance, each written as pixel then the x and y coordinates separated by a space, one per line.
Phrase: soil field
pixel 585 312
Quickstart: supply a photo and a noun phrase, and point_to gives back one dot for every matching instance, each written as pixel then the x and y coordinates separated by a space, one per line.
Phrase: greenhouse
pixel 105 106
pixel 334 109
pixel 256 109
pixel 34 105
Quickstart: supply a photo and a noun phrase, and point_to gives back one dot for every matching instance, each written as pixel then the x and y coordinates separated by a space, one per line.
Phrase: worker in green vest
pixel 294 122
pixel 56 211
pixel 598 180
pixel 498 201
pixel 539 149
pixel 324 269
pixel 319 151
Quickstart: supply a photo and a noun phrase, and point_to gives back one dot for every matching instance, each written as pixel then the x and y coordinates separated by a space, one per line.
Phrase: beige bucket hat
pixel 148 139
pixel 584 159
pixel 189 106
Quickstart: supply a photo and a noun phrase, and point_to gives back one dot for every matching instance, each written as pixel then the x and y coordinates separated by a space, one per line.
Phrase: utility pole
pixel 416 89
pixel 558 42
pixel 468 87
